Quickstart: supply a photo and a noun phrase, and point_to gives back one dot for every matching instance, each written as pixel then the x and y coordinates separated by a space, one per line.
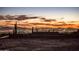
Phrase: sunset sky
pixel 61 17
pixel 59 13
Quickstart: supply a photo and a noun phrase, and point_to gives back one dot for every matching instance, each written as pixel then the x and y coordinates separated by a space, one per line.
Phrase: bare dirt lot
pixel 39 44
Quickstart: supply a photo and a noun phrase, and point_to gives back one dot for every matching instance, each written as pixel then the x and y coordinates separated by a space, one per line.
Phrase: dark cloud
pixel 16 17
pixel 32 17
pixel 48 20
pixel 1 17
pixel 24 17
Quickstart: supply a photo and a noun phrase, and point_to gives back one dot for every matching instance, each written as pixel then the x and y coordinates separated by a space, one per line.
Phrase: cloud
pixel 48 20
pixel 73 22
pixel 1 17
pixel 16 17
pixel 25 21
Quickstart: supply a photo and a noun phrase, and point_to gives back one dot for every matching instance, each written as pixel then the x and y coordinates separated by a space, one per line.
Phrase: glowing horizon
pixel 63 17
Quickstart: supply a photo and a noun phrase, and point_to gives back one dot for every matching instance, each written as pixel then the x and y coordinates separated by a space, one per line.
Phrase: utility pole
pixel 32 29
pixel 15 28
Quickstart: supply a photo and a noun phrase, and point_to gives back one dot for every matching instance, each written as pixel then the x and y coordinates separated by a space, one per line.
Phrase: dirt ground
pixel 39 44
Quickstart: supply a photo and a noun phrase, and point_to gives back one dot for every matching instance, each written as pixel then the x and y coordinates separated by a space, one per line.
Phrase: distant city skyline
pixel 59 13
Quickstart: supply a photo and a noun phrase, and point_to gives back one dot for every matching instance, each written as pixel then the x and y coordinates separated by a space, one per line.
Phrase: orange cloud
pixel 41 23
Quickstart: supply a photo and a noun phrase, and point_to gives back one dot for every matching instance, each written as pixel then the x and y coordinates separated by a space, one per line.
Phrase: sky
pixel 58 13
